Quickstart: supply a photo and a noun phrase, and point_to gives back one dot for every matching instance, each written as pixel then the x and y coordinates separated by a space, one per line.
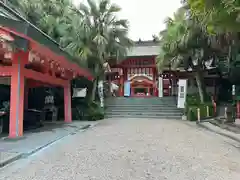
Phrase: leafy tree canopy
pixel 91 32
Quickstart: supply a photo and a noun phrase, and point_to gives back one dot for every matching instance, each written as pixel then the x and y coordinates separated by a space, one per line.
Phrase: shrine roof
pixel 11 20
pixel 144 48
pixel 141 80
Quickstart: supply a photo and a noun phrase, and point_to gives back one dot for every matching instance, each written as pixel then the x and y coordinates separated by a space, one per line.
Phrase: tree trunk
pixel 93 95
pixel 201 86
pixel 95 82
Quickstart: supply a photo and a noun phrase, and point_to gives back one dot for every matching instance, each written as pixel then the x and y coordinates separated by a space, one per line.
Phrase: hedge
pixel 191 108
pixel 83 109
pixel 192 112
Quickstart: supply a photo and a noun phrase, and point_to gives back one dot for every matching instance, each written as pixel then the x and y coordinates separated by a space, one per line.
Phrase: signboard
pixel 79 92
pixel 182 92
pixel 160 87
pixel 127 88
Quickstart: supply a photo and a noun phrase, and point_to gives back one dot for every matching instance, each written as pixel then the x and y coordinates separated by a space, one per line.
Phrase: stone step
pixel 149 97
pixel 139 101
pixel 141 109
pixel 146 117
pixel 145 113
pixel 157 108
pixel 142 104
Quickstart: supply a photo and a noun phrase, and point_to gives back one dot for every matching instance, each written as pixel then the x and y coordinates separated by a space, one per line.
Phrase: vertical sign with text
pixel 182 92
pixel 127 88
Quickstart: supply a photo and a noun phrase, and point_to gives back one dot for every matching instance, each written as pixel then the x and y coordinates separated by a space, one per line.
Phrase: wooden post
pixel 215 108
pixel 67 103
pixel 225 115
pixel 225 112
pixel 17 95
pixel 208 111
pixel 198 115
pixel 238 109
pixel 154 81
pixel 125 74
pixel 26 95
pixel 121 85
pixel 215 90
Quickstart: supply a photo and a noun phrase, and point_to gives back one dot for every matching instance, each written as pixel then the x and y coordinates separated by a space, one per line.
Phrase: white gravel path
pixel 133 149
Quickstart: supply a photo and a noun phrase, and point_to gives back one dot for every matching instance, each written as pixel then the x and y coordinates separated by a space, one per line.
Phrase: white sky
pixel 146 17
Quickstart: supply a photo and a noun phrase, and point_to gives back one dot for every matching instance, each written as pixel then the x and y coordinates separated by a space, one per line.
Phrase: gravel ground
pixel 133 149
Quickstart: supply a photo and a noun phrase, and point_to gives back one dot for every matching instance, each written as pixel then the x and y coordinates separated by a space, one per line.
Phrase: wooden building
pixel 29 58
pixel 138 74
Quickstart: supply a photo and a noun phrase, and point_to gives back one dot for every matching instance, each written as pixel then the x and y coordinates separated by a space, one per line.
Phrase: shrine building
pixel 137 74
pixel 29 59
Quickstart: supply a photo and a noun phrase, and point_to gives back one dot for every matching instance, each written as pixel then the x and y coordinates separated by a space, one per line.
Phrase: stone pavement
pixel 11 150
pixel 222 131
pixel 133 149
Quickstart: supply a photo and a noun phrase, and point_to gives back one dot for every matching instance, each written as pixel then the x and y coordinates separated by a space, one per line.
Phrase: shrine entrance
pixel 168 84
pixel 141 73
pixel 141 85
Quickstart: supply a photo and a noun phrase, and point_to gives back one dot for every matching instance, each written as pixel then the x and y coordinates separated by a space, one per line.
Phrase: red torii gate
pixel 38 64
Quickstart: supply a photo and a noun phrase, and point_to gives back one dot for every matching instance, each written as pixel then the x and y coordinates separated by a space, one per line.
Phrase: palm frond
pixel 93 8
pixel 103 6
pixel 114 8
pixel 122 22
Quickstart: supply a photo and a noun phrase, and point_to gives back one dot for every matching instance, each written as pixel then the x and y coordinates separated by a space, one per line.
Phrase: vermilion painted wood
pixel 19 74
pixel 26 95
pixel 132 63
pixel 47 79
pixel 67 103
pixel 121 86
pixel 33 83
pixel 48 54
pixel 134 66
pixel 5 71
pixel 17 96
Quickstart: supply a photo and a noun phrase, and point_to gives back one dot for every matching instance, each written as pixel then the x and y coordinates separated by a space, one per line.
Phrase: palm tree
pixel 97 35
pixel 51 16
pixel 56 14
pixel 30 9
pixel 91 33
pixel 185 42
pixel 221 19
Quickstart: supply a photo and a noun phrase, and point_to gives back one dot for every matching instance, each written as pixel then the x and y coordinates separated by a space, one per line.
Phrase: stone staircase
pixel 154 107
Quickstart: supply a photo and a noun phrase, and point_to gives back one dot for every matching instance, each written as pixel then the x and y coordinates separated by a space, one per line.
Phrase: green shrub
pixel 191 116
pixel 191 108
pixel 194 99
pixel 84 109
pixel 79 108
pixel 94 112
